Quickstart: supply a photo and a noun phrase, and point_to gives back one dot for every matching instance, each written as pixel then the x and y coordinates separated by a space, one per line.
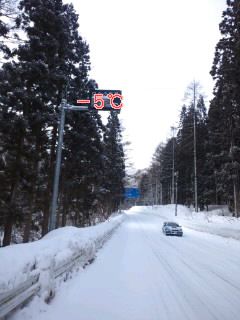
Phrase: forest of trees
pixel 44 59
pixel 217 136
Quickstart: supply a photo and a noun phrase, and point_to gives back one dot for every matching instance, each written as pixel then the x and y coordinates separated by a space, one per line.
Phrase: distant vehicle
pixel 172 229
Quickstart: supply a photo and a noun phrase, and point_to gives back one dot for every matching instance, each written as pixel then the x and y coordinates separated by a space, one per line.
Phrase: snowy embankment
pixel 19 262
pixel 212 222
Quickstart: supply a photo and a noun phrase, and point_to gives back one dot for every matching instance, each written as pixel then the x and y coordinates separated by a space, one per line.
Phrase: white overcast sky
pixel 151 50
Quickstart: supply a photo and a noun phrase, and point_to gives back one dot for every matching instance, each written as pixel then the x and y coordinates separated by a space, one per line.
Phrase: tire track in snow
pixel 165 289
pixel 203 266
pixel 183 282
pixel 203 248
pixel 203 244
pixel 183 287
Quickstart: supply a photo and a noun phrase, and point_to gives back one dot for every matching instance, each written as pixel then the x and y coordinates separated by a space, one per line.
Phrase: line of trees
pixel 47 61
pixel 217 134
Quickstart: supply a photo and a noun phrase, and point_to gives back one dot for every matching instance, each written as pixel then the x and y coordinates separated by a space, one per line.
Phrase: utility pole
pixel 156 191
pixel 176 174
pixel 161 193
pixel 194 147
pixel 216 195
pixel 235 198
pixel 234 183
pixel 173 164
pixel 152 195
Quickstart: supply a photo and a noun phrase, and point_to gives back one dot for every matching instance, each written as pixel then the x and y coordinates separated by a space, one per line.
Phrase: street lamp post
pixel 63 107
pixel 101 100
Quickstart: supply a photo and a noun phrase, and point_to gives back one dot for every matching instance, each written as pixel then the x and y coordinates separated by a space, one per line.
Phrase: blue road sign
pixel 131 193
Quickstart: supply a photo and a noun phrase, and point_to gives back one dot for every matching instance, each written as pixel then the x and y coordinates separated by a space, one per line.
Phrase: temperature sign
pixel 104 100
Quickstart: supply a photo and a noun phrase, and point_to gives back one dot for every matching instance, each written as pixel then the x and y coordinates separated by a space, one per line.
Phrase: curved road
pixel 141 274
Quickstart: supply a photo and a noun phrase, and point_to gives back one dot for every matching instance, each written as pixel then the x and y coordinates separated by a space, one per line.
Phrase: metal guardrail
pixel 15 297
pixel 19 295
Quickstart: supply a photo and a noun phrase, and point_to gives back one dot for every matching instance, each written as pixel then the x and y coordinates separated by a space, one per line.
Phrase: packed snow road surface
pixel 141 274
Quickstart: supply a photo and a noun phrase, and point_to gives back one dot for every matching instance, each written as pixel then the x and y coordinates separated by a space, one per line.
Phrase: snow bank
pixel 217 221
pixel 18 262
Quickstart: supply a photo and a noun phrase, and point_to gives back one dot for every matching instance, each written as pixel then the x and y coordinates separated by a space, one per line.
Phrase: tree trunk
pixel 32 197
pixel 47 205
pixel 28 224
pixel 10 218
pixel 236 199
pixel 64 209
pixel 45 216
pixel 8 229
pixel 11 213
pixel 64 217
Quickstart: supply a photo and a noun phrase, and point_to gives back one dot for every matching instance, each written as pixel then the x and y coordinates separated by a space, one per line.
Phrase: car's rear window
pixel 172 224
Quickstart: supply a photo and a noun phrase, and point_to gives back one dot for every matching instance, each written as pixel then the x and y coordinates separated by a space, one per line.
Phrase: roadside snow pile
pixel 212 222
pixel 18 262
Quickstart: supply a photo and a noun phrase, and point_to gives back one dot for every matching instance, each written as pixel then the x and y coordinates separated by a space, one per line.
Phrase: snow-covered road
pixel 142 274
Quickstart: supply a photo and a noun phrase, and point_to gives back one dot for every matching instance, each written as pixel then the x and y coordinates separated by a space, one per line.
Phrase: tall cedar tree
pixel 224 112
pixel 53 59
pixel 156 183
pixel 184 152
pixel 161 172
pixel 114 163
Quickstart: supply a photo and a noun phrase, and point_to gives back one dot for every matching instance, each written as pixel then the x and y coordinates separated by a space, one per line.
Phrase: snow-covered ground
pixel 18 262
pixel 140 274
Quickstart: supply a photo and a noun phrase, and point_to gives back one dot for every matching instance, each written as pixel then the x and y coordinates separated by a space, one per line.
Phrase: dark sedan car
pixel 172 229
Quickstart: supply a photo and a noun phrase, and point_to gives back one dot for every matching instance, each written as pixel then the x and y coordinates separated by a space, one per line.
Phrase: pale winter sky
pixel 151 50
